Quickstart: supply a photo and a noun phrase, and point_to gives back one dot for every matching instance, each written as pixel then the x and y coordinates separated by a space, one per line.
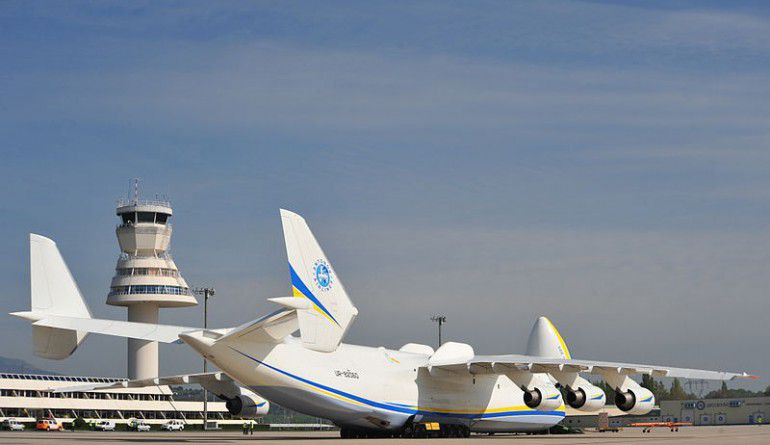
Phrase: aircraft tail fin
pixel 545 341
pixel 53 291
pixel 328 314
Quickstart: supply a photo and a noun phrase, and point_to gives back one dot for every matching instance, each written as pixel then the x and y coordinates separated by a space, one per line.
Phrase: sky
pixel 602 163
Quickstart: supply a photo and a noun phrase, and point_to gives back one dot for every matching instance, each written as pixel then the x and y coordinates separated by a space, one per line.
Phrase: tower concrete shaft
pixel 142 354
pixel 146 277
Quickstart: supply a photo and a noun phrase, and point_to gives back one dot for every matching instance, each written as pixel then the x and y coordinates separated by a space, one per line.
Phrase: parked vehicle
pixel 138 425
pixel 173 425
pixel 49 425
pixel 105 425
pixel 12 425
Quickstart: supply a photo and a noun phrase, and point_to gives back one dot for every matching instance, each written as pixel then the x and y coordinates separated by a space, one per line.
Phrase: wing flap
pixel 500 364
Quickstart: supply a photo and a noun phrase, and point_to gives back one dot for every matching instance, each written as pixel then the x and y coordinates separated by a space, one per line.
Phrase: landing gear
pixel 409 431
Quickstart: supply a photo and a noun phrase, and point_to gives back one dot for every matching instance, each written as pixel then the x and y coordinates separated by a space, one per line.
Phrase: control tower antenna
pixel 146 277
pixel 136 189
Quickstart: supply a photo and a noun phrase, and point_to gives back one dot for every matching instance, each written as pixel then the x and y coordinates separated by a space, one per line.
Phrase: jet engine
pixel 245 406
pixel 635 400
pixel 586 397
pixel 543 396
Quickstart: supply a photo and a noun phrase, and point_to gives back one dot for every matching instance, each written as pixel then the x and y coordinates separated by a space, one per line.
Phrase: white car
pixel 173 425
pixel 141 426
pixel 105 425
pixel 12 425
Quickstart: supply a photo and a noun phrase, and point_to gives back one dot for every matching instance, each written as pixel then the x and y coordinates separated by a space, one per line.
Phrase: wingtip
pixel 745 375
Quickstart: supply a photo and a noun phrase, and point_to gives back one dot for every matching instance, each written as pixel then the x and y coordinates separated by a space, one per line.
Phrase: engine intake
pixel 245 406
pixel 542 397
pixel 635 400
pixel 532 398
pixel 586 398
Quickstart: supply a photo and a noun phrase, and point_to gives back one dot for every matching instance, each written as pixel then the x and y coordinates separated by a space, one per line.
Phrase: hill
pixel 16 366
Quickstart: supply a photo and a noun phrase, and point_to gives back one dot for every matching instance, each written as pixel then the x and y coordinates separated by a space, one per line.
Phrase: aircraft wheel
pixel 408 431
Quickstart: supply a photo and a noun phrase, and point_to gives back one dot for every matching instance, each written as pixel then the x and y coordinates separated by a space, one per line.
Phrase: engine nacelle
pixel 245 406
pixel 635 400
pixel 586 397
pixel 543 396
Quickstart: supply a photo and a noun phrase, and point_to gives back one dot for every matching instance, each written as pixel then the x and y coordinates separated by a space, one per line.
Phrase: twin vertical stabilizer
pixel 53 292
pixel 545 341
pixel 326 312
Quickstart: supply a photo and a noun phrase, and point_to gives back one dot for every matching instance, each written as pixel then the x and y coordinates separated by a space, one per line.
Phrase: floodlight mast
pixel 440 319
pixel 206 292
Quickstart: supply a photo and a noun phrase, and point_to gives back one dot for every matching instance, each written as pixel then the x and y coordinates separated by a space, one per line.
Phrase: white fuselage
pixel 373 387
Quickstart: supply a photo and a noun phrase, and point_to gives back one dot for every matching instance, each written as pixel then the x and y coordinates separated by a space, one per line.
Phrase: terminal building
pixel 738 411
pixel 27 397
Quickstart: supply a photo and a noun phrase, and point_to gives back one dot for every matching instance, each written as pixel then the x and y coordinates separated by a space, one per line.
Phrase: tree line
pixel 677 392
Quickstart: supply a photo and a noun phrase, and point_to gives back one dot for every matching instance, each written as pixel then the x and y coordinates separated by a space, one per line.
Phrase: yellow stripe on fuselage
pixel 435 410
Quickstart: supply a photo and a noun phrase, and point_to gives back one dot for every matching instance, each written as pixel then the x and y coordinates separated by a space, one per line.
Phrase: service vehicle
pixel 105 425
pixel 173 425
pixel 49 425
pixel 139 425
pixel 12 425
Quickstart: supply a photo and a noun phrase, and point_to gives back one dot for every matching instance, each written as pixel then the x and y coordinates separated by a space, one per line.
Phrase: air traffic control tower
pixel 146 278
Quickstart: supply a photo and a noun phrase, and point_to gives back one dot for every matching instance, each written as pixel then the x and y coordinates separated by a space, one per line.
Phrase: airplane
pixel 366 391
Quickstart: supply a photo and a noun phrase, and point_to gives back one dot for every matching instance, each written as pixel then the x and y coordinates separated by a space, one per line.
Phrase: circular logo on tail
pixel 322 275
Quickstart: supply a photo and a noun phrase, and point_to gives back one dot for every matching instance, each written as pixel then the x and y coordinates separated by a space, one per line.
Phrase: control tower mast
pixel 146 278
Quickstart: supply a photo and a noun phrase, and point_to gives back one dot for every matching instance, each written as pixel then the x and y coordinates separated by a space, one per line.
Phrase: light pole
pixel 440 319
pixel 206 292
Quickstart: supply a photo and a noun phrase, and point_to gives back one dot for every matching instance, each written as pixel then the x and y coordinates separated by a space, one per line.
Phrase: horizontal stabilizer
pixel 291 302
pixel 129 329
pixel 270 328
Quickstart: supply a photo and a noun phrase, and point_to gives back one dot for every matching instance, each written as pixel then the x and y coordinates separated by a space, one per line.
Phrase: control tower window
pixel 146 217
pixel 161 218
pixel 128 218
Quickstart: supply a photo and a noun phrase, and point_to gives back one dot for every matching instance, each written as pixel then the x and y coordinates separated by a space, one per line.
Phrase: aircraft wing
pixel 217 382
pixel 501 364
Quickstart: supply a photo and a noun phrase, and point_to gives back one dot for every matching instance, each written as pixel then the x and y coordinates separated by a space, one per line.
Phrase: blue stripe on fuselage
pixel 401 408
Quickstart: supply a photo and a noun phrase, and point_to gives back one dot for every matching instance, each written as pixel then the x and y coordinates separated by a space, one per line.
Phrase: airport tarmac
pixel 717 435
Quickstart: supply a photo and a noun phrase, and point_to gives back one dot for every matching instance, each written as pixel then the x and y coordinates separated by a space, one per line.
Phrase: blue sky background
pixel 602 163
